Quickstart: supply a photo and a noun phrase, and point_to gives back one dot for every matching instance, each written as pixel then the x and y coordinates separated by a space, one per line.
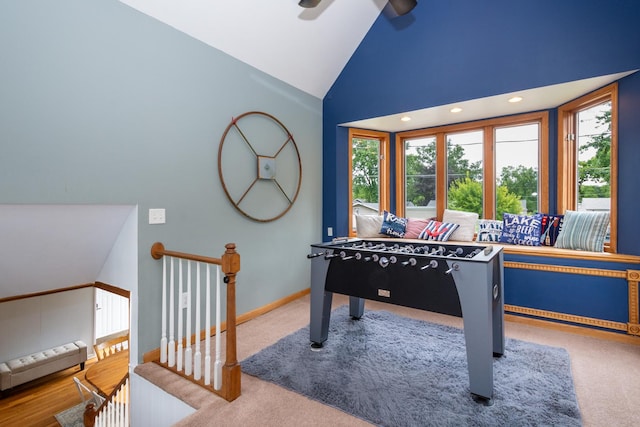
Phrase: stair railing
pixel 114 411
pixel 176 353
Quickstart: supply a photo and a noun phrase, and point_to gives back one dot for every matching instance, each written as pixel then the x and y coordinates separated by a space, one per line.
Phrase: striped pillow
pixel 584 231
pixel 436 230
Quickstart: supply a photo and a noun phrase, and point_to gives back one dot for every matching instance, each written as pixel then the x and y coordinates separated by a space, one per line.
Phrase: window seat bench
pixel 596 290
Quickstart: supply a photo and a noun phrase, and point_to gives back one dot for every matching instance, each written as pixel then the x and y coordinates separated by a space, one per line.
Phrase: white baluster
pixel 188 357
pixel 197 359
pixel 127 406
pixel 207 341
pixel 163 338
pixel 217 372
pixel 172 341
pixel 120 410
pixel 180 315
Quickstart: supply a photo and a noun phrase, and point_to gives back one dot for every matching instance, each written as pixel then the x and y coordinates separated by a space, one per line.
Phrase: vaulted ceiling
pixel 306 48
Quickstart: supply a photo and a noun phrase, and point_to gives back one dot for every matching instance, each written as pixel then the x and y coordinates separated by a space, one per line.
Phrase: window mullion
pixel 441 173
pixel 489 173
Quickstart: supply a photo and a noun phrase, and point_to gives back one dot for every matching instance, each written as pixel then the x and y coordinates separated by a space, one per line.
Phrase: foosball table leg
pixel 356 307
pixel 320 303
pixel 479 304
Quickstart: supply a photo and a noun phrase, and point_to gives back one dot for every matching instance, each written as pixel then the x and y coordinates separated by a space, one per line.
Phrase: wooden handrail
pixel 158 251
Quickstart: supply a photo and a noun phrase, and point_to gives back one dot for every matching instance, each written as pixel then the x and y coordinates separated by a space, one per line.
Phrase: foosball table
pixel 459 280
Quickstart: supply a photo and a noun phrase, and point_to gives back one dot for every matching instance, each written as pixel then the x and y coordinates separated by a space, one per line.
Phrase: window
pixel 587 156
pixel 488 167
pixel 369 166
pixel 464 171
pixel 420 177
pixel 517 153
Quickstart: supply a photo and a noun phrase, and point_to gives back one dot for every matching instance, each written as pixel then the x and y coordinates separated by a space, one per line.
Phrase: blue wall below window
pixel 597 297
pixel 443 52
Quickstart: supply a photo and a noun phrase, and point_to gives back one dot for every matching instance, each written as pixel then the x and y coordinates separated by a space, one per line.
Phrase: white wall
pixel 38 323
pixel 121 270
pixel 153 406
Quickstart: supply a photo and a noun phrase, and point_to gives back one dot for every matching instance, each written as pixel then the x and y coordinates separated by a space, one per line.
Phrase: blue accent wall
pixel 448 51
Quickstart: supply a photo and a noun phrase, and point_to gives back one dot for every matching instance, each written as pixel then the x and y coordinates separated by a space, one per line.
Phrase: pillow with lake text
pixel 392 225
pixel 489 230
pixel 521 229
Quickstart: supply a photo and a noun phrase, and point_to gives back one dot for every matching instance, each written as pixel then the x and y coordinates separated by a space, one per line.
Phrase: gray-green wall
pixel 100 104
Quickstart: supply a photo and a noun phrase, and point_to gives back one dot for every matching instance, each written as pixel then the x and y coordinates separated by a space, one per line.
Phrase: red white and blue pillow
pixel 550 228
pixel 436 230
pixel 521 229
pixel 392 225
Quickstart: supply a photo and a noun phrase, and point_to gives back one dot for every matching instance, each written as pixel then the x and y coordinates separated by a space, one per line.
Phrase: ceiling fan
pixel 401 7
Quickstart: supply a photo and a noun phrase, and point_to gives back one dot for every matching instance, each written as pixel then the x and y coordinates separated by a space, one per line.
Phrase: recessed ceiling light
pixel 456 110
pixel 405 118
pixel 515 99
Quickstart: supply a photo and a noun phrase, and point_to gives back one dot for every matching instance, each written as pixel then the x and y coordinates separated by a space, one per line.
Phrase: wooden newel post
pixel 231 372
pixel 89 415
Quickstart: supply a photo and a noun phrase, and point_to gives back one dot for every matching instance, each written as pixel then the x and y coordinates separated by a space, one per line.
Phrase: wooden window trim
pixel 489 175
pixel 567 154
pixel 384 169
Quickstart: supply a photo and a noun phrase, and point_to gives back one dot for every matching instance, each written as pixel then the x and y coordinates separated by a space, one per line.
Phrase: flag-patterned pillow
pixel 436 230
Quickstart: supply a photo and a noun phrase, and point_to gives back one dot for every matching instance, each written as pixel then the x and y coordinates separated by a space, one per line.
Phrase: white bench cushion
pixel 39 358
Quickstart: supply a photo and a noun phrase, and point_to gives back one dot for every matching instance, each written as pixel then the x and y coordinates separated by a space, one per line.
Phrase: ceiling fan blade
pixel 402 7
pixel 308 3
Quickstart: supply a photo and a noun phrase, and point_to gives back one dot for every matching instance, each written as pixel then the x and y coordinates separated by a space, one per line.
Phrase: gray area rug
pixel 72 417
pixel 395 371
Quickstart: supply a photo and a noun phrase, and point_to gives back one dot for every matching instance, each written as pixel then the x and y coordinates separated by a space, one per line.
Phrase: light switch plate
pixel 156 216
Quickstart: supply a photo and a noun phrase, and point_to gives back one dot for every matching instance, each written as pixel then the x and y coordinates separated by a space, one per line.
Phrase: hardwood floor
pixel 35 404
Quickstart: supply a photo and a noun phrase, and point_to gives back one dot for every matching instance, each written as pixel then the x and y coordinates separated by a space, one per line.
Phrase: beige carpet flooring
pixel 606 375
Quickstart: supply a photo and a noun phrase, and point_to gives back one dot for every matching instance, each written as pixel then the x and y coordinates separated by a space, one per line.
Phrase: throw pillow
pixel 368 226
pixel 550 228
pixel 436 230
pixel 521 229
pixel 414 227
pixel 583 231
pixel 393 225
pixel 489 230
pixel 466 221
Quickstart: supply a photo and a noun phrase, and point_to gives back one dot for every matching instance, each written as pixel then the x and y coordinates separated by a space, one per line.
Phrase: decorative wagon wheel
pixel 263 170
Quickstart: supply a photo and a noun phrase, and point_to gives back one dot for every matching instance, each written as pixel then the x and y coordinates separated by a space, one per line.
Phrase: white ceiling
pixel 307 48
pixel 536 99
pixel 46 247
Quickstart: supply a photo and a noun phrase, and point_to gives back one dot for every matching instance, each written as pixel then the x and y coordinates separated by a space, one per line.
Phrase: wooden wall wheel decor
pixel 259 166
